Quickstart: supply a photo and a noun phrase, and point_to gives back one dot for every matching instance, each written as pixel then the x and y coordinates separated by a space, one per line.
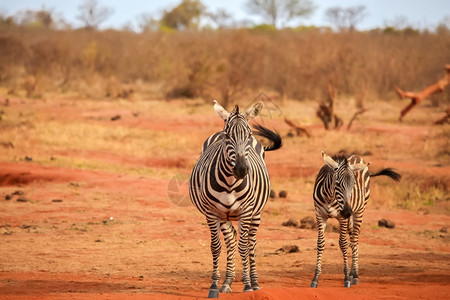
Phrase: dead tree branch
pixel 416 98
pixel 445 119
pixel 299 131
pixel 325 110
pixel 326 114
pixel 360 105
pixel 359 112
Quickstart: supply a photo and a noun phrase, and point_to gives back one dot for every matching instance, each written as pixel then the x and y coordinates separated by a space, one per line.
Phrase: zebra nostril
pixel 346 212
pixel 240 171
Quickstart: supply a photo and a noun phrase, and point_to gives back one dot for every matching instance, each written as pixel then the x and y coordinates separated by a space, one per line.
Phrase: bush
pixel 224 64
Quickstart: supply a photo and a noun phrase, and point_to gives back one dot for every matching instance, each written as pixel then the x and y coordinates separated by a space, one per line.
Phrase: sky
pixel 379 13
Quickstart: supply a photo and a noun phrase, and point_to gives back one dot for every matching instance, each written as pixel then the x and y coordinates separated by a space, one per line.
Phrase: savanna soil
pixel 95 208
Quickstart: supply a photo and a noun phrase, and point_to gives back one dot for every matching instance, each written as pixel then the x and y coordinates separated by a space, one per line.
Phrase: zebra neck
pixel 222 175
pixel 329 186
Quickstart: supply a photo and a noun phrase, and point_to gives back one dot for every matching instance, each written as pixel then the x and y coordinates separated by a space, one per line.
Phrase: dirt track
pixel 115 235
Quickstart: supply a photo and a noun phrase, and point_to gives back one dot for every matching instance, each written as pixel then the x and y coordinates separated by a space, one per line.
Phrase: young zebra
pixel 230 182
pixel 341 191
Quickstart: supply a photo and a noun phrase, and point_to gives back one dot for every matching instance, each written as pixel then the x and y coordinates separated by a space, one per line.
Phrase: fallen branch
pixel 416 98
pixel 359 112
pixel 299 131
pixel 445 119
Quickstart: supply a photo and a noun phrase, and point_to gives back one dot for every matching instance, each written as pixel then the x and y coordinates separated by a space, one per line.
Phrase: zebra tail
pixel 388 172
pixel 273 137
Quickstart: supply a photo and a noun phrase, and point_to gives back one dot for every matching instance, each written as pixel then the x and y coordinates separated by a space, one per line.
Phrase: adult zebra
pixel 341 191
pixel 230 182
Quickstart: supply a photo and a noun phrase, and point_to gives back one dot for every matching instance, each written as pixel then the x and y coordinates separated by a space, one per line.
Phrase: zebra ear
pixel 253 111
pixel 329 161
pixel 358 167
pixel 220 111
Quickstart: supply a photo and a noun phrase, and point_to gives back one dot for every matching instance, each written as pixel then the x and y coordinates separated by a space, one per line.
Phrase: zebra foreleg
pixel 216 247
pixel 252 245
pixel 321 225
pixel 343 244
pixel 354 238
pixel 229 234
pixel 244 226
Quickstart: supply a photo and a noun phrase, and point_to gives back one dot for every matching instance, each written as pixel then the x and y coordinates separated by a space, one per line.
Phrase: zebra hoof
pixel 248 288
pixel 255 286
pixel 347 284
pixel 225 289
pixel 355 281
pixel 313 284
pixel 213 293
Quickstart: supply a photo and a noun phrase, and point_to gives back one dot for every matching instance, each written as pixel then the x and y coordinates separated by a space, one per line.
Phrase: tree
pixel 221 18
pixel 346 18
pixel 92 15
pixel 40 18
pixel 147 23
pixel 184 16
pixel 275 11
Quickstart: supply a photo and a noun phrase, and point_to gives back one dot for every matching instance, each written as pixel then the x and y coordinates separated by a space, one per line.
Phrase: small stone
pixel 443 229
pixel 290 249
pixel 290 222
pixel 27 158
pixel 22 199
pixel 308 223
pixel 57 200
pixel 8 197
pixel 386 223
pixel 18 192
pixel 115 118
pixel 390 224
pixel 282 194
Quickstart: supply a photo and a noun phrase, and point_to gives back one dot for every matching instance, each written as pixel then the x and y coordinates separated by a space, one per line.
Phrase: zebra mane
pixel 340 158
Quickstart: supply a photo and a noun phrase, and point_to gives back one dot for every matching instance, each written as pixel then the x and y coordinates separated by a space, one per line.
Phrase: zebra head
pixel 237 137
pixel 344 180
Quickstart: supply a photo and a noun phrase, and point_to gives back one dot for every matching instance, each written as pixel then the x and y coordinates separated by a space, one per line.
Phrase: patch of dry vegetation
pixel 224 64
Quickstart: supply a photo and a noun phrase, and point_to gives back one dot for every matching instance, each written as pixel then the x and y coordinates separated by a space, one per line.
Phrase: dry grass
pixel 164 139
pixel 228 64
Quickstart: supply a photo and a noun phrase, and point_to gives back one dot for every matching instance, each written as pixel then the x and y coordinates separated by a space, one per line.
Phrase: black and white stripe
pixel 230 182
pixel 341 191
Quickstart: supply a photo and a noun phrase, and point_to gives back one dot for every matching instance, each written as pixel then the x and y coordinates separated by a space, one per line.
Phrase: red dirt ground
pixel 114 236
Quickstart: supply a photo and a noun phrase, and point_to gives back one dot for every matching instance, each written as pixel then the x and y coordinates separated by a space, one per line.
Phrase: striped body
pixel 329 193
pixel 214 190
pixel 326 204
pixel 230 182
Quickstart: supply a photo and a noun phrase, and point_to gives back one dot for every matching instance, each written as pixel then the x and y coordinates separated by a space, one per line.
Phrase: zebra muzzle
pixel 346 212
pixel 240 169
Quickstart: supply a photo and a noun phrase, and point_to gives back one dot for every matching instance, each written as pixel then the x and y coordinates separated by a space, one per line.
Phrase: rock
pixel 443 229
pixel 8 197
pixel 308 223
pixel 22 199
pixel 289 249
pixel 57 200
pixel 27 158
pixel 115 118
pixel 18 192
pixel 386 223
pixel 272 194
pixel 282 194
pixel 290 222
